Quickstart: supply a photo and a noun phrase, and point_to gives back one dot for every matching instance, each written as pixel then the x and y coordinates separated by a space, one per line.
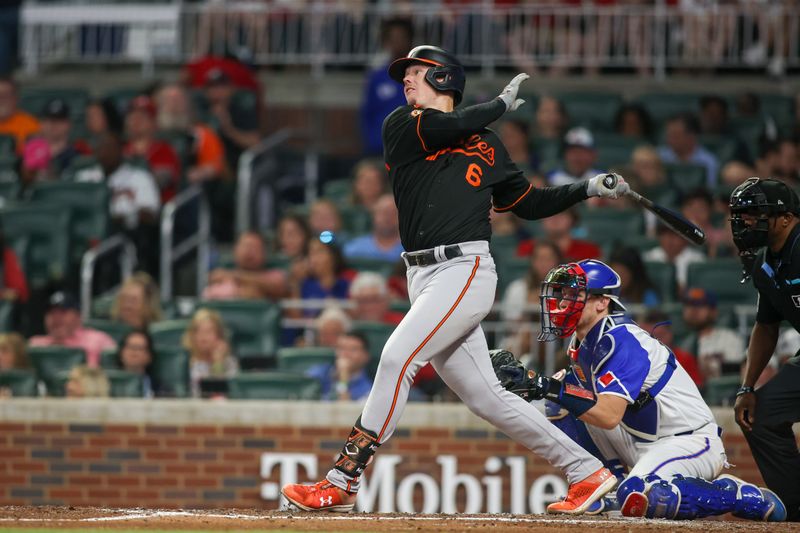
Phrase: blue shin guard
pixel 751 502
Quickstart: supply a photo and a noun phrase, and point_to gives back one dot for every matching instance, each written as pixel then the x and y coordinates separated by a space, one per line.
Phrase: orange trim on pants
pixel 424 342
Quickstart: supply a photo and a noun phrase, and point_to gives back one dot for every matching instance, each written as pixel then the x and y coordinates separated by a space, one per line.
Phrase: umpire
pixel 764 222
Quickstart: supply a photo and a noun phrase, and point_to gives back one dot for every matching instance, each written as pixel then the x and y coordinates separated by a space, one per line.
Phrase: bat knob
pixel 610 181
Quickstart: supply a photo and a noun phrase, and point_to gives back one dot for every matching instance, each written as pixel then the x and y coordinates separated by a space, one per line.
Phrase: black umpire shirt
pixel 448 169
pixel 777 278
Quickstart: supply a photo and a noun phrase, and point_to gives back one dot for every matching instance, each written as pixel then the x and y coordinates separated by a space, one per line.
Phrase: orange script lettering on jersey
pixel 472 147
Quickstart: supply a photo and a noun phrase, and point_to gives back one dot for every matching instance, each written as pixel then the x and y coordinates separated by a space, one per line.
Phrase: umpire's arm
pixel 762 345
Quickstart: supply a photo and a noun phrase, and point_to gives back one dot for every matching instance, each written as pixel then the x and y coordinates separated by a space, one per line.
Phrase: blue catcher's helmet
pixel 601 279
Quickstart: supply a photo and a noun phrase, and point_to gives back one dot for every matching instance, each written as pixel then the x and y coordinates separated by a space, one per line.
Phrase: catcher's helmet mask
pixel 565 291
pixel 446 73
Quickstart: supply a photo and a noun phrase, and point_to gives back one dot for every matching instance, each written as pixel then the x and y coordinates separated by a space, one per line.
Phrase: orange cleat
pixel 322 496
pixel 583 494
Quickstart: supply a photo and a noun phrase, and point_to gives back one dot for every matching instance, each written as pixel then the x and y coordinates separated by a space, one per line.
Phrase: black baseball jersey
pixel 777 278
pixel 448 169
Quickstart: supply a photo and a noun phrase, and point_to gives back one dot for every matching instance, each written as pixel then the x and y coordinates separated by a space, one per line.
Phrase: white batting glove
pixel 607 186
pixel 509 94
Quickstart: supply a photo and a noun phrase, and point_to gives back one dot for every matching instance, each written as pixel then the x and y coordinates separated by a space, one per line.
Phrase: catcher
pixel 626 399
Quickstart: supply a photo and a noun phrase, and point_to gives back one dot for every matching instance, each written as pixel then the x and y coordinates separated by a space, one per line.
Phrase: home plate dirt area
pixel 13 518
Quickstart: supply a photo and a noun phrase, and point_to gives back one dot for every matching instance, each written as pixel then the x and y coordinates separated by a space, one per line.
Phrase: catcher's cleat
pixel 583 494
pixel 322 496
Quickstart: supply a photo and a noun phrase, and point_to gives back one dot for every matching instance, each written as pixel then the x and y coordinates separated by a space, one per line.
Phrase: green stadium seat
pixel 8 168
pixel 9 190
pixel 722 277
pixel 510 269
pixel 722 146
pixel 168 333
pixel 377 333
pixel 21 383
pixel 609 225
pixel 125 384
pixel 79 165
pixel 662 106
pixel 52 362
pixel 663 277
pixel 88 203
pixel 122 97
pixel 301 359
pixel 115 330
pixel 255 324
pixel 686 177
pixel 34 100
pixel 8 144
pixel 595 110
pixel 109 359
pixel 171 372
pixel 363 264
pixel 356 220
pixel 46 228
pixel 549 153
pixel 778 106
pixel 338 190
pixel 722 390
pixel 272 386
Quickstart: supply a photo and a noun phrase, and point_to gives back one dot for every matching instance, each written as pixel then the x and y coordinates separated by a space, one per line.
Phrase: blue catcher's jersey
pixel 620 358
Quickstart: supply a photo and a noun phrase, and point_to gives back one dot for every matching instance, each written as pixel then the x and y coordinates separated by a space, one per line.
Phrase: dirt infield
pixel 87 518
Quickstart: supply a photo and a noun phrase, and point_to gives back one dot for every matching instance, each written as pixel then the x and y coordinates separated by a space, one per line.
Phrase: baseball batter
pixel 640 407
pixel 447 171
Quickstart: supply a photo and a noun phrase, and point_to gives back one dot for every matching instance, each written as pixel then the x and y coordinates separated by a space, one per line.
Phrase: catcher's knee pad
pixel 663 500
pixel 357 452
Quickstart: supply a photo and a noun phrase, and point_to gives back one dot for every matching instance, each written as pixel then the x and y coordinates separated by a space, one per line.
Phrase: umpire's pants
pixel 772 440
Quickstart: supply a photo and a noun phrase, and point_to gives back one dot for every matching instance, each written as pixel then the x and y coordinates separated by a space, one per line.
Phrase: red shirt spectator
pixel 196 72
pixel 13 276
pixel 141 127
pixel 577 250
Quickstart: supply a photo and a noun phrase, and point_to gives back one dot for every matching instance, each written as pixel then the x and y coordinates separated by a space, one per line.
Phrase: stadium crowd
pixel 320 292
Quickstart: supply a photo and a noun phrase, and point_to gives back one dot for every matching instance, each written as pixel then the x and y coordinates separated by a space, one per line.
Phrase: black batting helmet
pixel 445 74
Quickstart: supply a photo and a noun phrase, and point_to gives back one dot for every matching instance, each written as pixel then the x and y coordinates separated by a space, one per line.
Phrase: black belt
pixel 427 257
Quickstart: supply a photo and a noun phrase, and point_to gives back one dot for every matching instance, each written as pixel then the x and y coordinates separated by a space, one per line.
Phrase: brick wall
pixel 198 465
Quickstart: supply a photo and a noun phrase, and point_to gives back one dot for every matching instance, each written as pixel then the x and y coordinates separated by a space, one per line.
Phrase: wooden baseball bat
pixel 670 218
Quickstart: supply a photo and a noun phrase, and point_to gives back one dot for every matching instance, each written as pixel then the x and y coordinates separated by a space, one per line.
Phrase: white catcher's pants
pixel 448 302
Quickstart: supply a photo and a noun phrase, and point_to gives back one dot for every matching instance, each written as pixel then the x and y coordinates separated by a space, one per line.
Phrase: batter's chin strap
pixel 357 452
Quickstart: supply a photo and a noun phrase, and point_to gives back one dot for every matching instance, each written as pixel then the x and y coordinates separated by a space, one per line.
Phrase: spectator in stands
pixel 14 121
pixel 102 116
pixel 551 119
pixel 520 305
pixel 210 355
pixel 735 173
pixel 637 287
pixel 324 216
pixel 138 303
pixel 238 128
pixel 331 324
pixel 648 177
pixel 384 242
pixel 14 286
pixel 672 248
pixel 136 355
pixel 249 279
pixel 48 154
pixel 135 200
pixel 370 296
pixel 383 95
pixel 141 128
pixel 682 146
pixel 293 238
pixel 788 167
pixel 63 325
pixel 13 352
pixel 369 182
pixel 327 274
pixel 715 122
pixel 515 135
pixel 347 377
pixel 580 156
pixel 657 323
pixel 558 229
pixel 633 120
pixel 204 158
pixel 719 350
pixel 698 206
pixel 768 158
pixel 87 382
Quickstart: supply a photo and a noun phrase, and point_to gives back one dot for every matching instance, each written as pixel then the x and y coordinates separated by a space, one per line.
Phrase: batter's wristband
pixel 744 389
